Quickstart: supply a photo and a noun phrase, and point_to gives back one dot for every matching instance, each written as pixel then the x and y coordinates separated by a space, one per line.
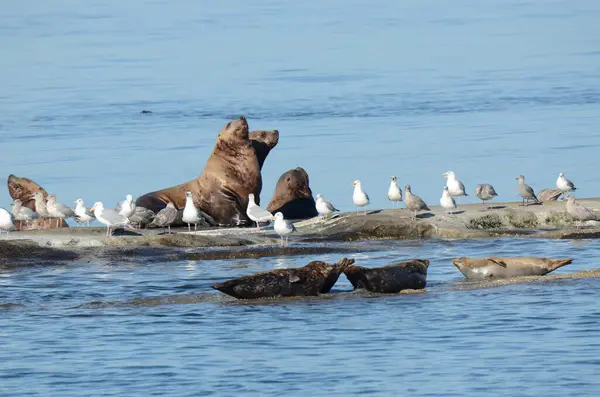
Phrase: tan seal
pixel 493 267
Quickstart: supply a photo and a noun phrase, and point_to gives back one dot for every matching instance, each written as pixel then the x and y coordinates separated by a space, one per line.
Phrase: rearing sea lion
pixel 293 197
pixel 232 172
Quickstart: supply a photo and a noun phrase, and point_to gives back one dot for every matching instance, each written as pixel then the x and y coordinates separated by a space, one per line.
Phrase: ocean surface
pixel 358 90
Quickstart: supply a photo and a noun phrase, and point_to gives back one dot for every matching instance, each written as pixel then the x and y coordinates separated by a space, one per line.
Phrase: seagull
pixel 142 216
pixel 57 210
pixel 40 204
pixel 283 227
pixel 191 215
pixel 21 213
pixel 324 207
pixel 166 216
pixel 127 207
pixel 257 214
pixel 455 187
pixel 579 212
pixel 413 202
pixel 564 185
pixel 394 192
pixel 6 221
pixel 447 201
pixel 108 217
pixel 360 198
pixel 485 191
pixel 82 214
pixel 525 191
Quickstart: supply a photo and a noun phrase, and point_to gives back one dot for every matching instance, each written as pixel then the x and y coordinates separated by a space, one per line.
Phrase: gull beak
pixel 273 218
pixel 74 202
pixel 92 209
pixel 445 174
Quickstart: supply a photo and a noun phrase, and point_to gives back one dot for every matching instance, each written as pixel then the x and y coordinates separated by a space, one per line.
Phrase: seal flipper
pixel 497 261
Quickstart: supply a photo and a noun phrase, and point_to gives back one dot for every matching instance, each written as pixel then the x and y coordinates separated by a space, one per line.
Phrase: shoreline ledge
pixel 313 236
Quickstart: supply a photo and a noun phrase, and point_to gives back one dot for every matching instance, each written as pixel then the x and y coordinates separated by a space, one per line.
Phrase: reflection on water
pixel 135 328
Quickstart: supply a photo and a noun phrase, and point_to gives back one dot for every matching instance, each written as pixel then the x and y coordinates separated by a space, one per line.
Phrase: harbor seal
pixel 493 267
pixel 232 172
pixel 389 279
pixel 311 280
pixel 293 197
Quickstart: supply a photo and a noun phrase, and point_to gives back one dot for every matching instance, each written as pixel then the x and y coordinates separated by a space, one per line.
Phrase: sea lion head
pixel 263 141
pixel 23 189
pixel 236 130
pixel 296 183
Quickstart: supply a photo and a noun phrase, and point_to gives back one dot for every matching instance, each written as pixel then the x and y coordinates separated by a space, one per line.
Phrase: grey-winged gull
pixel 580 212
pixel 525 191
pixel 455 187
pixel 359 197
pixel 414 202
pixel 40 204
pixel 142 216
pixel 484 192
pixel 82 214
pixel 109 217
pixel 6 221
pixel 256 213
pixel 283 227
pixel 22 213
pixel 127 207
pixel 191 214
pixel 323 206
pixel 166 217
pixel 58 211
pixel 564 185
pixel 447 201
pixel 394 192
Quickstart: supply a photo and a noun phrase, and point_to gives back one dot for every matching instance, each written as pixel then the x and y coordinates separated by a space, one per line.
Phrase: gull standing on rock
pixel 257 214
pixel 413 202
pixel 82 214
pixel 109 217
pixel 564 185
pixel 447 201
pixel 323 206
pixel 40 205
pixel 525 191
pixel 394 192
pixel 455 187
pixel 57 210
pixel 360 198
pixel 485 191
pixel 166 217
pixel 127 207
pixel 6 221
pixel 191 215
pixel 142 216
pixel 283 227
pixel 580 212
pixel 21 213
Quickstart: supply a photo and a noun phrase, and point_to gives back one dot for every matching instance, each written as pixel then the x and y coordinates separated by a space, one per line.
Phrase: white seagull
pixel 257 214
pixel 447 201
pixel 283 227
pixel 82 214
pixel 455 187
pixel 323 206
pixel 6 221
pixel 564 185
pixel 360 198
pixel 109 217
pixel 394 192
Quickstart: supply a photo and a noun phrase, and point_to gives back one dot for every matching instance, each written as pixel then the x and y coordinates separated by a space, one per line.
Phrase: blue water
pixel 135 329
pixel 358 90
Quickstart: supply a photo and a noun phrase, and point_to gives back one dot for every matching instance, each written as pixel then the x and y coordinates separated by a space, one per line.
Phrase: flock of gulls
pixel 126 214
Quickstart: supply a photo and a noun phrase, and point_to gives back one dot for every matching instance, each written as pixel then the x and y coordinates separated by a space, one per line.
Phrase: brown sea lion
pixel 23 189
pixel 313 279
pixel 389 279
pixel 493 267
pixel 231 173
pixel 293 197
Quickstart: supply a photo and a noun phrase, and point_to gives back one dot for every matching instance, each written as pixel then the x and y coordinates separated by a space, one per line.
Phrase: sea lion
pixel 493 267
pixel 232 171
pixel 389 279
pixel 23 189
pixel 293 197
pixel 313 279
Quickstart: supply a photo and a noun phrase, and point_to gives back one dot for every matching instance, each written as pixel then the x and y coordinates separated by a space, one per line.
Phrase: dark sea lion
pixel 293 197
pixel 313 279
pixel 493 267
pixel 389 279
pixel 232 172
pixel 23 189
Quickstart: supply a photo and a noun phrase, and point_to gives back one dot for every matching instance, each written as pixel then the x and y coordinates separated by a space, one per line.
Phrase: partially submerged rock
pixel 315 278
pixel 409 275
pixel 495 267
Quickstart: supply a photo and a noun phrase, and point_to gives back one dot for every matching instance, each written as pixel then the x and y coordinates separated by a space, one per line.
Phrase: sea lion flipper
pixel 498 261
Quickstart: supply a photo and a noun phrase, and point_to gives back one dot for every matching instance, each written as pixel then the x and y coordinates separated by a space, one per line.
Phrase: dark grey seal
pixel 313 279
pixel 389 279
pixel 486 268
